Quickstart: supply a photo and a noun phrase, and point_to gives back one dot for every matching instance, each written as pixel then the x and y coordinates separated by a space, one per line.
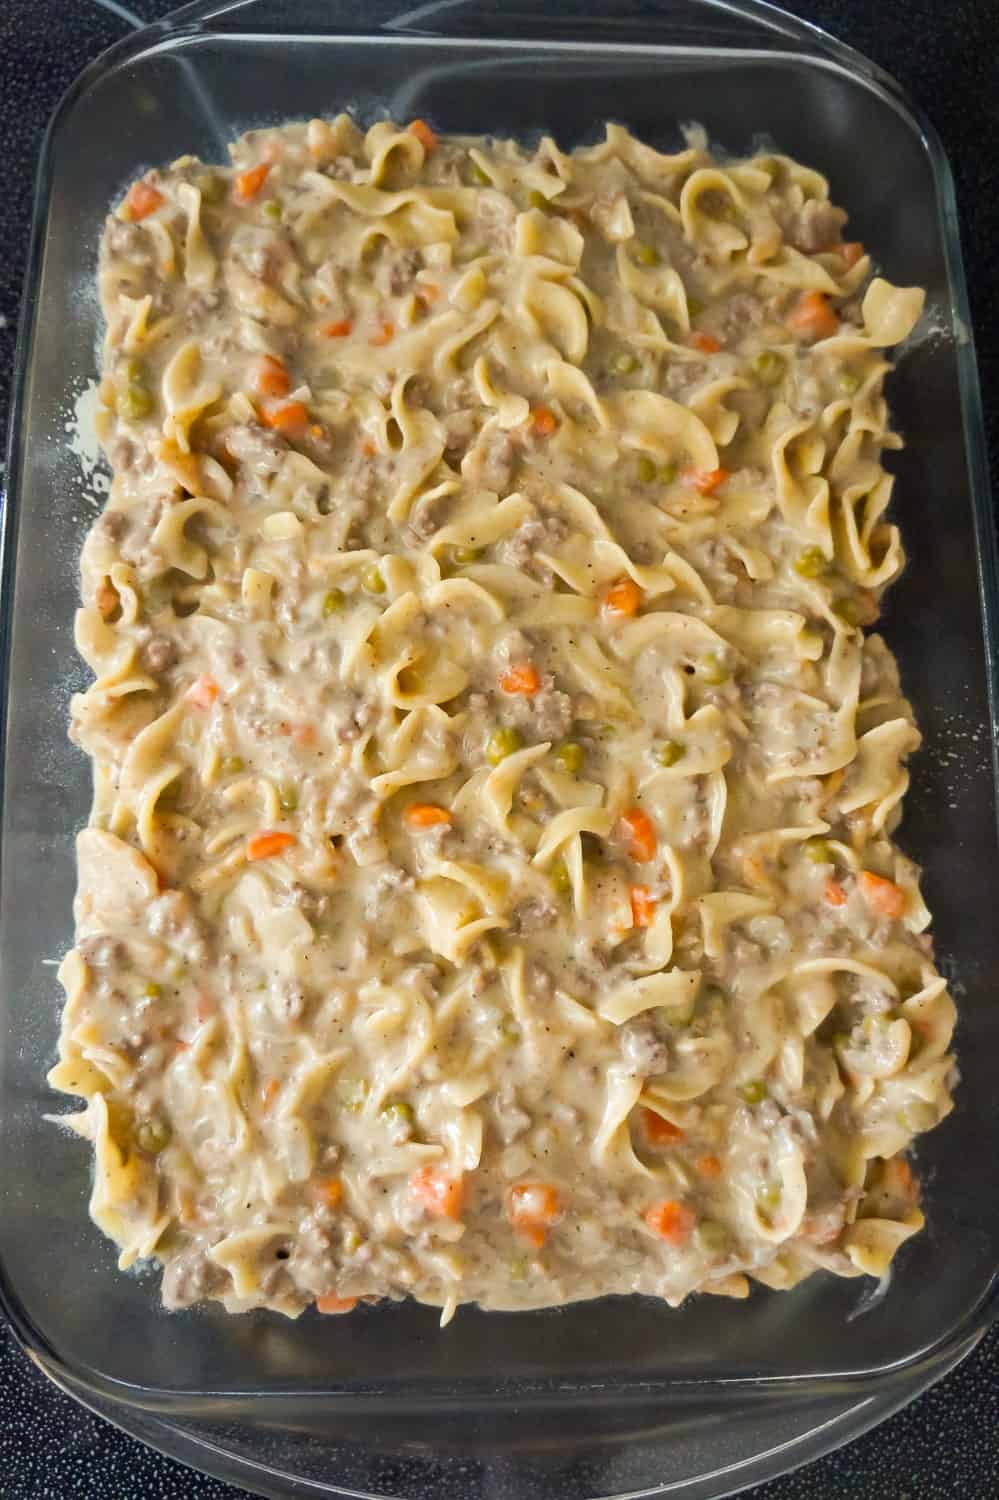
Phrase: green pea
pixel 373 580
pixel 847 609
pixel 560 877
pixel 501 743
pixel 694 307
pixel 480 175
pixel 211 187
pixel 272 209
pixel 769 366
pixel 135 402
pixel 667 474
pixel 351 1241
pixel 753 1092
pixel 397 1115
pixel 132 372
pixel 517 1268
pixel 646 255
pixel 510 1031
pixel 152 1136
pixel 818 851
pixel 152 989
pixel 569 757
pixel 714 670
pixel 465 556
pixel 624 363
pixel 711 1237
pixel 670 751
pixel 333 603
pixel 849 381
pixel 537 199
pixel 288 797
pixel 811 563
pixel 646 469
pixel 232 765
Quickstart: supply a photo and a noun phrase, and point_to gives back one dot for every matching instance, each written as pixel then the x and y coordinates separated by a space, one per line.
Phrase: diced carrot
pixel 271 378
pixel 203 691
pixel 706 342
pixel 384 334
pixel 643 906
pixel 426 137
pixel 543 421
pixel 533 1235
pixel 304 735
pixel 622 598
pixel 331 1304
pixel 249 183
pixel 368 448
pixel 442 1196
pixel 851 251
pixel 328 1190
pixel 533 1208
pixel 660 1132
pixel 671 1220
pixel 266 845
pixel 315 431
pixel 709 1166
pixel 269 1093
pixel 340 328
pixel 639 834
pixel 524 679
pixel 883 896
pixel 142 199
pixel 426 815
pixel 834 893
pixel 705 481
pixel 290 419
pixel 428 292
pixel 811 314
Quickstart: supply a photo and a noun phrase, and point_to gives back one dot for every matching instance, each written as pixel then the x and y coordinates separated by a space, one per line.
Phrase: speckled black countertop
pixel 945 1446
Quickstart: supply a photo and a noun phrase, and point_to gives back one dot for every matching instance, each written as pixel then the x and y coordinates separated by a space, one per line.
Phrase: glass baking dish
pixel 540 1391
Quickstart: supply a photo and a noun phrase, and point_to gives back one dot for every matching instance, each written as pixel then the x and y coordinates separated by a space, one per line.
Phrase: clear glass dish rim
pixel 864 1408
pixel 784 34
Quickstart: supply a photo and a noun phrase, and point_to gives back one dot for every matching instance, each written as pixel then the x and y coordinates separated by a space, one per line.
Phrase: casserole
pixel 186 86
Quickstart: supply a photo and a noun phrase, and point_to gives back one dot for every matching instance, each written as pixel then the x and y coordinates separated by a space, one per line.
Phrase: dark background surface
pixel 946 1445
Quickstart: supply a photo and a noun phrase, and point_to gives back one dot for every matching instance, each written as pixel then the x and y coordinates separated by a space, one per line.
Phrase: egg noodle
pixel 489 893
